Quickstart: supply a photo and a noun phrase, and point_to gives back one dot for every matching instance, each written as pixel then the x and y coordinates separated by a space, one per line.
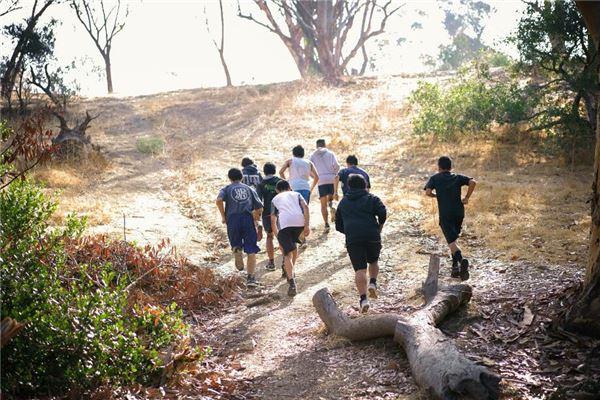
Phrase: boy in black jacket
pixel 451 209
pixel 360 216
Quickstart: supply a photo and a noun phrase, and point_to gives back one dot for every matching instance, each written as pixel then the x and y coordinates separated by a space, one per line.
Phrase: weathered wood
pixel 430 287
pixel 9 328
pixel 437 365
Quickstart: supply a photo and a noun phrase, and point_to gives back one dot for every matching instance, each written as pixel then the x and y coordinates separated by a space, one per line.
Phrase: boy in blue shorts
pixel 240 209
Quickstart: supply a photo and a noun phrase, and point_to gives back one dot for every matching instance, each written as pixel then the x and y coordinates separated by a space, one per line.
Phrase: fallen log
pixel 9 328
pixel 436 364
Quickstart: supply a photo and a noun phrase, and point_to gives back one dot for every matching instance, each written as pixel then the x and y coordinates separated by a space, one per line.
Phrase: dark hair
pixel 269 168
pixel 282 186
pixel 352 160
pixel 246 161
pixel 445 163
pixel 235 174
pixel 321 143
pixel 298 151
pixel 356 181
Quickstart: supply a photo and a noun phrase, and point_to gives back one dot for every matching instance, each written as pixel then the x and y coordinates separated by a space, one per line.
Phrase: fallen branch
pixel 436 364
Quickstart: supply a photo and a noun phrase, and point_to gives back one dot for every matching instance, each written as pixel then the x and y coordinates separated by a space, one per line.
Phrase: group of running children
pixel 254 202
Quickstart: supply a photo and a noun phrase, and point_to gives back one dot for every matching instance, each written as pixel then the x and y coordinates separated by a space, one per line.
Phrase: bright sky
pixel 165 45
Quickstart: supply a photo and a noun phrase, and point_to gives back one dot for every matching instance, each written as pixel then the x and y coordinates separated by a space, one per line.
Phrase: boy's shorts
pixel 242 232
pixel 325 190
pixel 266 220
pixel 288 237
pixel 451 227
pixel 363 253
pixel 305 194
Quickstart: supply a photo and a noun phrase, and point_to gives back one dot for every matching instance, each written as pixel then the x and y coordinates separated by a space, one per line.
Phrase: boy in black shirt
pixel 451 209
pixel 266 191
pixel 360 216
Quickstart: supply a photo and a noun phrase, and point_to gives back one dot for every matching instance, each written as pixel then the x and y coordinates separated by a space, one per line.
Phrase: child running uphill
pixel 301 171
pixel 451 209
pixel 289 219
pixel 240 207
pixel 360 216
pixel 344 174
pixel 250 173
pixel 267 191
pixel 327 167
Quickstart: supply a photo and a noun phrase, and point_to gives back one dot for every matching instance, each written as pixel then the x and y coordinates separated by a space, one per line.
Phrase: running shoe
pixel 373 290
pixel 455 272
pixel 364 306
pixel 292 288
pixel 464 269
pixel 270 266
pixel 238 257
pixel 251 281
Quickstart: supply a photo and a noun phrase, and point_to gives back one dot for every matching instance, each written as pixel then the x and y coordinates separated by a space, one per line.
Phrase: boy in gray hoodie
pixel 327 167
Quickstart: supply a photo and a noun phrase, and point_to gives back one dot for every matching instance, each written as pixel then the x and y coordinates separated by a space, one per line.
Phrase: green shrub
pixel 469 104
pixel 81 329
pixel 151 145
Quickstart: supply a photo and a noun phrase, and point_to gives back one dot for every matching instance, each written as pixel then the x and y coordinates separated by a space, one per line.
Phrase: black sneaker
pixel 270 266
pixel 464 269
pixel 327 226
pixel 251 282
pixel 455 273
pixel 292 288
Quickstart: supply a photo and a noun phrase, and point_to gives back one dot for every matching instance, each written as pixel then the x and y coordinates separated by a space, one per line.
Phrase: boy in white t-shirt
pixel 289 219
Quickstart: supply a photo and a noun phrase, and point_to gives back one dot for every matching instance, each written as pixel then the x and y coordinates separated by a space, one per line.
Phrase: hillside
pixel 526 229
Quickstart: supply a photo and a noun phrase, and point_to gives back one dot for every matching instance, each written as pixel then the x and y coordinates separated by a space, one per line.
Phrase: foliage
pixel 464 22
pixel 151 145
pixel 555 48
pixel 82 328
pixel 23 148
pixel 469 105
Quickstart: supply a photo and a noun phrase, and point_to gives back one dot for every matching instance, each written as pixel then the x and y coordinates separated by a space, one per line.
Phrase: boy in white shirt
pixel 289 219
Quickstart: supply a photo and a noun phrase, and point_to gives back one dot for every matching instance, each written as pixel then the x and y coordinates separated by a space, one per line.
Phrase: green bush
pixel 81 329
pixel 469 104
pixel 151 145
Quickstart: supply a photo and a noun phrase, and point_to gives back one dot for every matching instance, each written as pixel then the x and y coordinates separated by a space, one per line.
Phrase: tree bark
pixel 436 364
pixel 584 316
pixel 107 66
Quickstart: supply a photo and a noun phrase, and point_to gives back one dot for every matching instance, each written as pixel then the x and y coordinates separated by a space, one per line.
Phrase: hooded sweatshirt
pixel 359 216
pixel 251 176
pixel 326 165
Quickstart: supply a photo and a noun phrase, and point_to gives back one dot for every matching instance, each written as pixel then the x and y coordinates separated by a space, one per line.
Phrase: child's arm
pixel 429 192
pixel 306 218
pixel 472 183
pixel 336 183
pixel 315 176
pixel 221 207
pixel 285 166
pixel 274 224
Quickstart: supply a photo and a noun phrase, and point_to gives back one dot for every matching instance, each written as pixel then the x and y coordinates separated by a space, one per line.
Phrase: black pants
pixel 451 226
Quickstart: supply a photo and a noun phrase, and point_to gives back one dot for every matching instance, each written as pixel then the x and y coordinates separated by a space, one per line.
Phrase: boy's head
pixel 321 143
pixel 234 175
pixel 247 161
pixel 282 186
pixel 351 160
pixel 356 181
pixel 298 151
pixel 269 168
pixel 444 163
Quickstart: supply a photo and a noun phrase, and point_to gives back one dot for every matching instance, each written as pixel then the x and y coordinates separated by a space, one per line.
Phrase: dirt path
pixel 280 346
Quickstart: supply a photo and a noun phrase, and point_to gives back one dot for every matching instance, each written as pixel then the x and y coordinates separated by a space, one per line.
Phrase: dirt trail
pixel 280 345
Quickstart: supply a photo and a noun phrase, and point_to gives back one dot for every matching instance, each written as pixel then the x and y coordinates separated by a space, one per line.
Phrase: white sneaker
pixel 373 290
pixel 238 257
pixel 364 306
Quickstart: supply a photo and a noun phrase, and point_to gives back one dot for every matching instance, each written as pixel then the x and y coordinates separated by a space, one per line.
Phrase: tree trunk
pixel 584 316
pixel 435 362
pixel 225 69
pixel 108 70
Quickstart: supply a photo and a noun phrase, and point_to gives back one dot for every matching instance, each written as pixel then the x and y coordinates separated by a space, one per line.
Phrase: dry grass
pixel 526 205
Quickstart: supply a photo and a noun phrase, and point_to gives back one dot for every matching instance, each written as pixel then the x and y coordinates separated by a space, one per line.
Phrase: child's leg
pixel 288 263
pixel 360 279
pixel 373 271
pixel 251 264
pixel 270 247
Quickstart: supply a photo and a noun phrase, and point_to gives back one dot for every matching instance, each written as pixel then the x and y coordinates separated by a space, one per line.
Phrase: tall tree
pixel 26 39
pixel 102 24
pixel 317 32
pixel 220 47
pixel 554 45
pixel 585 314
